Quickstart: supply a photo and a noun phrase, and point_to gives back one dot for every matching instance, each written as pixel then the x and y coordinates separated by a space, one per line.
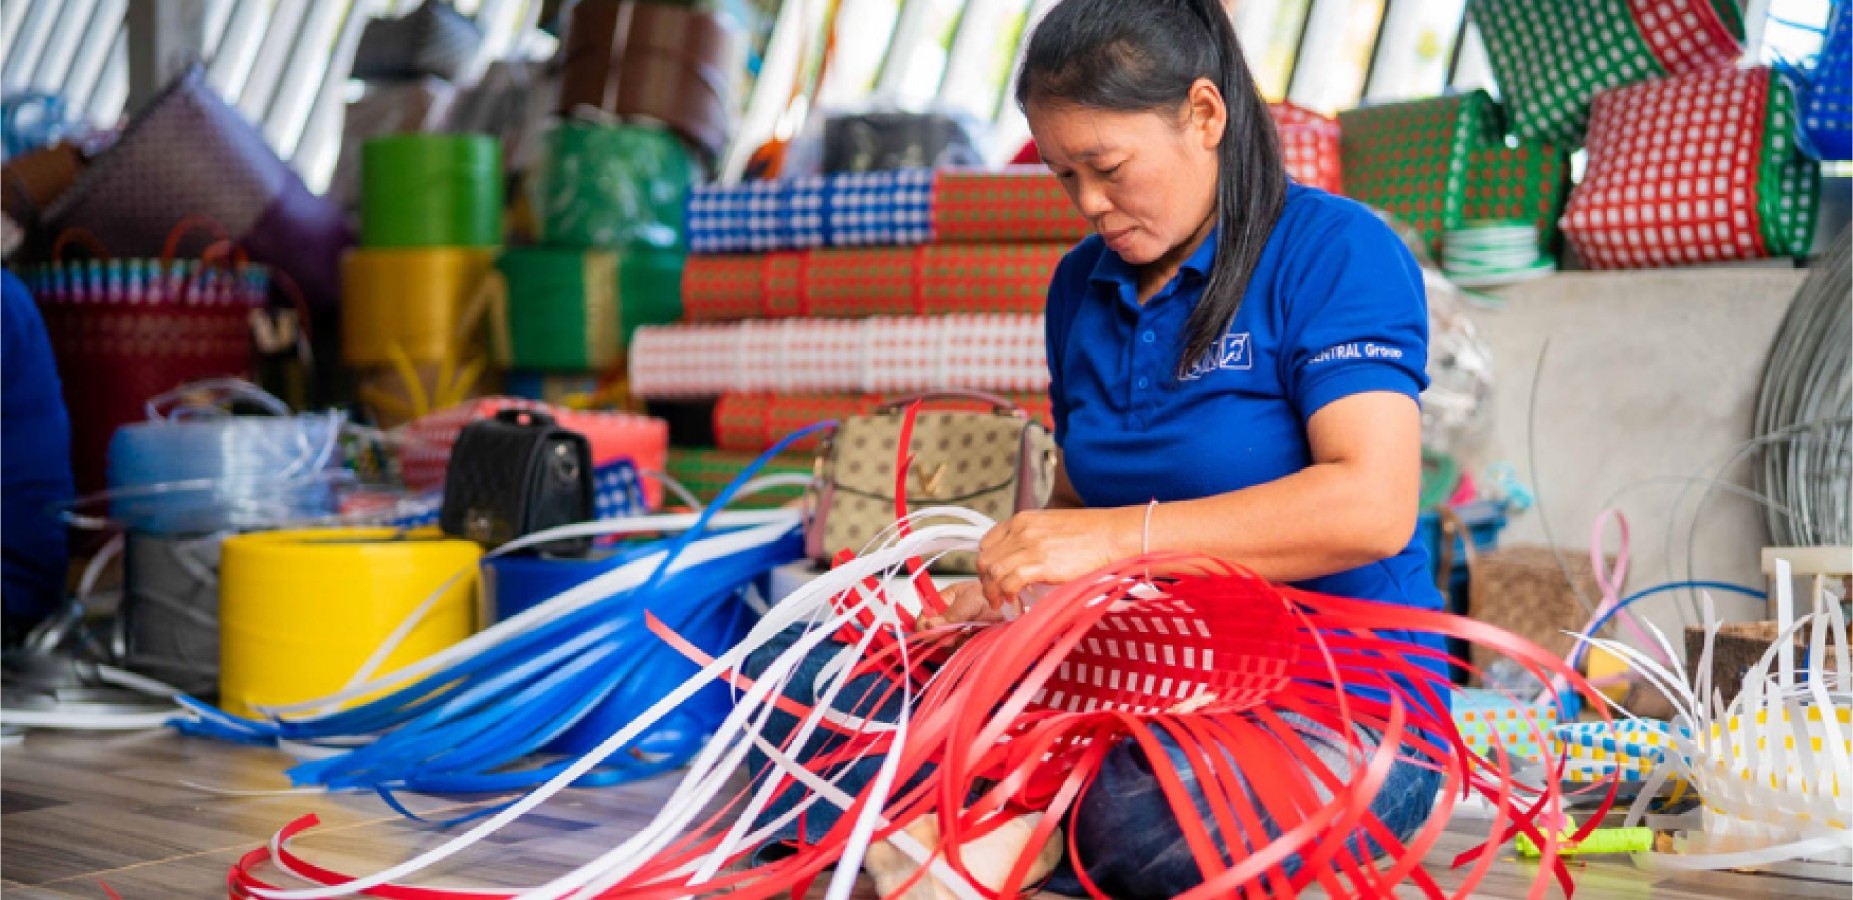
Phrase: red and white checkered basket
pixel 1673 171
pixel 808 356
pixel 1309 145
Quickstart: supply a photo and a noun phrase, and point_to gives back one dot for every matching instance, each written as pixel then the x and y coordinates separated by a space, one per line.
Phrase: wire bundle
pixel 1807 397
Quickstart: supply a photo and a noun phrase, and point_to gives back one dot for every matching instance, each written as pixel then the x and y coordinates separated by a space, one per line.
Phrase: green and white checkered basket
pixel 1551 57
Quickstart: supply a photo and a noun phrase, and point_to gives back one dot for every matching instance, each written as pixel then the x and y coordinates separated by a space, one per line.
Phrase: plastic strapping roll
pixel 612 186
pixel 431 190
pixel 197 476
pixel 170 610
pixel 569 310
pixel 419 300
pixel 658 62
pixel 301 611
pixel 515 584
pixel 1493 252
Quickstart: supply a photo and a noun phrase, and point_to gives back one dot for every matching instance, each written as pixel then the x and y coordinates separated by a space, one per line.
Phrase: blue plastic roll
pixel 203 475
pixel 515 584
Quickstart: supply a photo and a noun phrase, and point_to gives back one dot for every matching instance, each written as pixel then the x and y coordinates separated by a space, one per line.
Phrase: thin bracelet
pixel 1145 537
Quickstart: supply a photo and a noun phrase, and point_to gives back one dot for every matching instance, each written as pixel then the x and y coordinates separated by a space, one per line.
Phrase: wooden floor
pixel 77 811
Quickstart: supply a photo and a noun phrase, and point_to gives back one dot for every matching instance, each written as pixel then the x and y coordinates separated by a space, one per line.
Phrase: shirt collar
pixel 1110 270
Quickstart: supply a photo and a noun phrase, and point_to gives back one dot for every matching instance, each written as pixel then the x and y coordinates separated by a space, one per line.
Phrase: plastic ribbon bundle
pixel 1772 763
pixel 196 469
pixel 1000 719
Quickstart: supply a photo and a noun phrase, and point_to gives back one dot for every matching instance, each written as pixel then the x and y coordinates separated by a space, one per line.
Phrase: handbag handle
pixel 1000 404
pixel 1452 526
pixel 77 234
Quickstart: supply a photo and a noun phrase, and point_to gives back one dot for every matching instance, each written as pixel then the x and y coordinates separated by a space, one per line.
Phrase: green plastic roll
pixel 613 186
pixel 431 190
pixel 575 310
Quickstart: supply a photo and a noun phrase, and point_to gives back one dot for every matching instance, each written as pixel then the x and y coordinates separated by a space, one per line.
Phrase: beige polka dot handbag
pixel 996 462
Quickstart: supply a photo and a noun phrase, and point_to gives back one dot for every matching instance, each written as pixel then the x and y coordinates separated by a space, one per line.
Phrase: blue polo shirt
pixel 1336 307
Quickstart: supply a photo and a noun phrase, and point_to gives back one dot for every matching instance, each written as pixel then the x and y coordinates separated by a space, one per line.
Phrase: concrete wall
pixel 1650 380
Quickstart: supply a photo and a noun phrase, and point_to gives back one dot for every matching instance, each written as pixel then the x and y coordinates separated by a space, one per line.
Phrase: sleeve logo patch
pixel 1355 350
pixel 1232 353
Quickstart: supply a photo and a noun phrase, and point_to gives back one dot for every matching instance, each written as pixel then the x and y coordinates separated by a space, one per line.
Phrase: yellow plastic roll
pixel 423 301
pixel 301 611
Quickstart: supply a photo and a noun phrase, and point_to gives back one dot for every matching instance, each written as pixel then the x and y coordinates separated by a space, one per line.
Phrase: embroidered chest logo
pixel 1232 353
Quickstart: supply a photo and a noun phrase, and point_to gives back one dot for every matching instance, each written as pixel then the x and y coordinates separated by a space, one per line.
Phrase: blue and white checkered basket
pixel 852 209
pixel 1824 93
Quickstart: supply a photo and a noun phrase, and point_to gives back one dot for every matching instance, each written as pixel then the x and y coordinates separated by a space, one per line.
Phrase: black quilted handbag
pixel 514 475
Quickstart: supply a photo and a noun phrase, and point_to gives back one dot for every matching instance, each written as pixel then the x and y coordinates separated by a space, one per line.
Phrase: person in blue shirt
pixel 1235 363
pixel 35 464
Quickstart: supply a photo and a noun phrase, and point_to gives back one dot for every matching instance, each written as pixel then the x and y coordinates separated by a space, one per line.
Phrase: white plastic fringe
pixel 1774 764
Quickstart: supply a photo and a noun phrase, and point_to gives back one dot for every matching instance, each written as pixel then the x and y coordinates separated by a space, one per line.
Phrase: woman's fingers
pixel 965 602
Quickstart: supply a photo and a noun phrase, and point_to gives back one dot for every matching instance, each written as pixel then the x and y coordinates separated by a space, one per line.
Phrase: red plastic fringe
pixel 1021 715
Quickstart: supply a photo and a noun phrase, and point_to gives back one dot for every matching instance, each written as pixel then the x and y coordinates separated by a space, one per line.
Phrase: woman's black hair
pixel 1144 55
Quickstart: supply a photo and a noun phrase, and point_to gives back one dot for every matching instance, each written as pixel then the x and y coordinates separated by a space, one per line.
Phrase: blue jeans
pixel 1123 827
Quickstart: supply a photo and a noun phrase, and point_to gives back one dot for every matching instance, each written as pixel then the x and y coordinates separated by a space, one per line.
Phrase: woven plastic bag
pixel 127 330
pixel 1552 57
pixel 1438 163
pixel 188 153
pixel 1699 168
pixel 1826 91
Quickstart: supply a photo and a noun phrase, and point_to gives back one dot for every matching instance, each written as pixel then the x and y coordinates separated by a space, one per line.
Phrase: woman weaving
pixel 1235 363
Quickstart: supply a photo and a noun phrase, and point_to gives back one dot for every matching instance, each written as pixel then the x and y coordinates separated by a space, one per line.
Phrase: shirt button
pixel 1144 382
pixel 1148 337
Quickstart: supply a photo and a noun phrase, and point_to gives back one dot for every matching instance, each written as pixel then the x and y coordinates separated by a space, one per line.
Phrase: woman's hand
pixel 965 602
pixel 1052 546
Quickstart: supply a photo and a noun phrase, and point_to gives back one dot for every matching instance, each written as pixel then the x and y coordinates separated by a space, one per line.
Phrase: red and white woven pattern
pixel 1686 35
pixel 1672 175
pixel 1309 146
pixel 424 448
pixel 878 355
